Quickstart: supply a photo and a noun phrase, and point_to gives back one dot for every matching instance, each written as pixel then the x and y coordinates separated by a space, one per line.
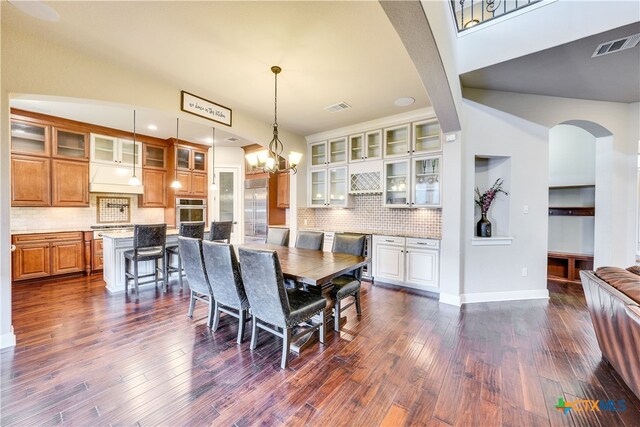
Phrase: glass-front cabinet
pixel 318 193
pixel 356 148
pixel 426 137
pixel 338 151
pixel 374 145
pixel 426 181
pixel 70 144
pixel 115 151
pixel 318 154
pixel 396 141
pixel 183 155
pixel 338 187
pixel 191 159
pixel 30 138
pixel 154 157
pixel 396 183
pixel 127 153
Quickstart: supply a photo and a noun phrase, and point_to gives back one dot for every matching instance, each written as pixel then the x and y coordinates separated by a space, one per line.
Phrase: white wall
pixel 36 66
pixel 572 156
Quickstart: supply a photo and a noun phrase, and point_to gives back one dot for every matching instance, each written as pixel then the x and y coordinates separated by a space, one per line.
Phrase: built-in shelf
pixel 492 241
pixel 565 267
pixel 573 211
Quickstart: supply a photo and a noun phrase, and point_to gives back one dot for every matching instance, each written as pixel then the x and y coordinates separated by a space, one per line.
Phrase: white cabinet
pixel 365 146
pixel 396 141
pixel 111 164
pixel 413 182
pixel 427 137
pixel 412 262
pixel 318 154
pixel 112 150
pixel 329 188
pixel 337 151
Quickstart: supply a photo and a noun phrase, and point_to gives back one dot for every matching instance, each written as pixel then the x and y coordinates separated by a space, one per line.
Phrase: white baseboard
pixel 503 296
pixel 8 339
pixel 450 299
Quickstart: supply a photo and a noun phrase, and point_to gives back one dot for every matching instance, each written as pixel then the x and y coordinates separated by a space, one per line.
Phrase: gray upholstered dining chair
pixel 347 284
pixel 187 229
pixel 278 236
pixel 148 245
pixel 220 231
pixel 274 308
pixel 221 266
pixel 193 261
pixel 310 240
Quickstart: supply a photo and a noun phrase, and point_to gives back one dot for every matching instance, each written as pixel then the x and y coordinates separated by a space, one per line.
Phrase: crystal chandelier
pixel 269 160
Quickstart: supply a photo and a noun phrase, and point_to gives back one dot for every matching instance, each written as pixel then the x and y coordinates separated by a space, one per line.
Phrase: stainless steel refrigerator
pixel 256 202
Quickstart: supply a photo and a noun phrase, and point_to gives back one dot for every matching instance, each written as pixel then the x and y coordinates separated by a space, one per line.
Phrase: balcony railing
pixel 469 13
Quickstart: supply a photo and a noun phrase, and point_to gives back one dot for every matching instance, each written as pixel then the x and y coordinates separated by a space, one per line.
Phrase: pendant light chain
pixel 134 143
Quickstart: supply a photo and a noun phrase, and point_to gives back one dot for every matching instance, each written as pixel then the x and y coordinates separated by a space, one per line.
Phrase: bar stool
pixel 195 230
pixel 148 245
pixel 221 231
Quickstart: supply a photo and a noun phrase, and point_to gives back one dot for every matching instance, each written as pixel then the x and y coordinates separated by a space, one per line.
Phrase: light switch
pixel 451 137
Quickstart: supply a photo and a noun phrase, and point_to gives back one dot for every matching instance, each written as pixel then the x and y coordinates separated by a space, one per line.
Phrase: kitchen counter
pixel 51 230
pixel 376 232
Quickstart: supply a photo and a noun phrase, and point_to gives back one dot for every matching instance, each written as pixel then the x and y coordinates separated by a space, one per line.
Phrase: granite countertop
pixel 377 233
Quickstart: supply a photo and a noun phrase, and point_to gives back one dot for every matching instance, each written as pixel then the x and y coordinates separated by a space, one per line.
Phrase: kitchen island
pixel 115 244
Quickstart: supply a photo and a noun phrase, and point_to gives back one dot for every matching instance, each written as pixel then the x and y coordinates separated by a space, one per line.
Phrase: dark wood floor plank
pixel 85 357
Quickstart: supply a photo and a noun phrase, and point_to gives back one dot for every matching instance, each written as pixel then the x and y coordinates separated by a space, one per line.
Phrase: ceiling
pixel 569 71
pixel 330 52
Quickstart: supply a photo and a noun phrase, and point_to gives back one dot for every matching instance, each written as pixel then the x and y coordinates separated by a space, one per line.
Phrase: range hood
pixel 112 179
pixel 115 188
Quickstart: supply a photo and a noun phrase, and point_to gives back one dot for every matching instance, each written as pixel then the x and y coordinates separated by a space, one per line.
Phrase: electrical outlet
pixel 305 222
pixel 524 272
pixel 525 209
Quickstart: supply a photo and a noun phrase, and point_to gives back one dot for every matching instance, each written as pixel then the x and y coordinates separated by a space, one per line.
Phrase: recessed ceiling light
pixel 405 101
pixel 152 127
pixel 208 140
pixel 36 9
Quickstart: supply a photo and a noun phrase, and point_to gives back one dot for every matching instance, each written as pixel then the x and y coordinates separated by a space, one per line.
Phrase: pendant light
pixel 213 185
pixel 269 160
pixel 176 184
pixel 134 179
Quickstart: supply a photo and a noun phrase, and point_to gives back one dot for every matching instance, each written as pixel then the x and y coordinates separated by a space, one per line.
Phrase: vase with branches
pixel 484 201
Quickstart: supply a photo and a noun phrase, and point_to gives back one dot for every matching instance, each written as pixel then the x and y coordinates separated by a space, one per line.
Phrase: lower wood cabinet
pixel 47 254
pixel 97 258
pixel 30 181
pixel 155 189
pixel 70 180
pixel 409 261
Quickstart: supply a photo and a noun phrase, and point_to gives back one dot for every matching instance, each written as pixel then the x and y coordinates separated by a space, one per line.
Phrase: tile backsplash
pixel 35 219
pixel 371 217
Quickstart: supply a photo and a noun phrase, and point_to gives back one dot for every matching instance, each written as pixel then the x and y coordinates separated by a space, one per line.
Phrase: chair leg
pixel 358 306
pixel 323 326
pixel 180 271
pixel 216 316
pixel 155 270
pixel 254 333
pixel 135 277
pixel 286 347
pixel 242 319
pixel 165 275
pixel 212 305
pixel 192 304
pixel 336 320
pixel 126 279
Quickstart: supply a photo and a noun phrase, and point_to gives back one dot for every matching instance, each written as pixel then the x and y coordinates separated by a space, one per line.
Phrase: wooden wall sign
pixel 204 108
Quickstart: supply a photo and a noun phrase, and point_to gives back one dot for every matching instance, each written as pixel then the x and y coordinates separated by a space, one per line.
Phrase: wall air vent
pixel 231 139
pixel 617 45
pixel 337 107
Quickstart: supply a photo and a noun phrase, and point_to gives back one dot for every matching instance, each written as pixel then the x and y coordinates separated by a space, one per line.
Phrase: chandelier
pixel 269 160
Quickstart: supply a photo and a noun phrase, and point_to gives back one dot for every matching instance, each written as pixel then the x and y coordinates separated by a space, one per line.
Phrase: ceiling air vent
pixel 617 45
pixel 337 107
pixel 231 139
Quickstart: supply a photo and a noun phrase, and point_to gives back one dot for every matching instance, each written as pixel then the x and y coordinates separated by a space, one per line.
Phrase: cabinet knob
pixel 408 151
pixel 407 203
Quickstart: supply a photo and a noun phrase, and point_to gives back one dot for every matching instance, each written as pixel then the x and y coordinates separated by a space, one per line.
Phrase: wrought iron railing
pixel 469 13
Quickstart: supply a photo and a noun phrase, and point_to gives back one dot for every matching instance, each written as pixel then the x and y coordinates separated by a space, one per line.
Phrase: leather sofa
pixel 613 298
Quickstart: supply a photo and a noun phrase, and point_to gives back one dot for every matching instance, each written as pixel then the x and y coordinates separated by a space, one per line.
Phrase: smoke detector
pixel 337 107
pixel 617 45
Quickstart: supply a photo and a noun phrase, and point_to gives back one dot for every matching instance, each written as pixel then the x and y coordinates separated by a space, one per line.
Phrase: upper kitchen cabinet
pixel 396 141
pixel 365 146
pixel 317 196
pixel 397 184
pixel 426 137
pixel 30 181
pixel 426 183
pixel 30 138
pixel 110 150
pixel 191 159
pixel 154 157
pixel 70 183
pixel 70 144
pixel 337 151
pixel 318 154
pixel 356 148
pixel 329 188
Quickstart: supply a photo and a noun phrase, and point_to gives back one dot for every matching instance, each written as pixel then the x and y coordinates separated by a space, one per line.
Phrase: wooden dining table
pixel 315 269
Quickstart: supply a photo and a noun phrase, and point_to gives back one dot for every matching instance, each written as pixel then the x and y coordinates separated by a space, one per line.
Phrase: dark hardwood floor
pixel 85 357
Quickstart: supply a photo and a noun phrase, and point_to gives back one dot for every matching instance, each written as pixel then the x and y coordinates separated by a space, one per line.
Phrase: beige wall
pixel 35 66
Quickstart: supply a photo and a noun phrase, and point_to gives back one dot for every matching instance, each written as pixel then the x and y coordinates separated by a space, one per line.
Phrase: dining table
pixel 315 270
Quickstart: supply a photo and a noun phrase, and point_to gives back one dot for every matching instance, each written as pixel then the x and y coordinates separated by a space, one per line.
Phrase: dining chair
pixel 221 266
pixel 278 236
pixel 274 308
pixel 310 240
pixel 347 284
pixel 220 231
pixel 148 245
pixel 187 229
pixel 200 289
